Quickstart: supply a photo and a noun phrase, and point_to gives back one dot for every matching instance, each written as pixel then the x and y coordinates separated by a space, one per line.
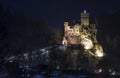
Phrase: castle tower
pixel 65 28
pixel 85 18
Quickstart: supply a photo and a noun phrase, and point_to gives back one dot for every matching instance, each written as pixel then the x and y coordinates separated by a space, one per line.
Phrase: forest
pixel 20 33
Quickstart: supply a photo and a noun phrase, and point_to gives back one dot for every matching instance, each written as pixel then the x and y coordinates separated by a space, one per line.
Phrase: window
pixel 76 30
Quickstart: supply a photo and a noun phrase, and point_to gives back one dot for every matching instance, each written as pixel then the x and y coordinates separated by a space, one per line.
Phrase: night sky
pixel 56 11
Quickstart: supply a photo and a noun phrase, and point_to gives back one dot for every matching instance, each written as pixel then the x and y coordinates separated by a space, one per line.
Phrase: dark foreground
pixel 50 62
pixel 12 70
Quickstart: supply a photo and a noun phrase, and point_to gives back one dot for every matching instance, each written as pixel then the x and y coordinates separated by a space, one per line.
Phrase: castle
pixel 80 33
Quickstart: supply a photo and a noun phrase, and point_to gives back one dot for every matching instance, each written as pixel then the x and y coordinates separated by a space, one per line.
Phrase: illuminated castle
pixel 77 32
pixel 84 34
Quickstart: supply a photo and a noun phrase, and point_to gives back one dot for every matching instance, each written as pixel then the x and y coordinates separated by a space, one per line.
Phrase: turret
pixel 65 27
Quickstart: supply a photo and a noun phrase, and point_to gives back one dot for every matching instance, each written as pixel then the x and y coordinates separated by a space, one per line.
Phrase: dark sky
pixel 55 11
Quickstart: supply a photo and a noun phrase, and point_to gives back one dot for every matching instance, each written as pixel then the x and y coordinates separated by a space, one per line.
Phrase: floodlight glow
pixel 87 43
pixel 99 51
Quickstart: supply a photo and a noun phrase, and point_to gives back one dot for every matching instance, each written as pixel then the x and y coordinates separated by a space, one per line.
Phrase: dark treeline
pixel 109 37
pixel 19 33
